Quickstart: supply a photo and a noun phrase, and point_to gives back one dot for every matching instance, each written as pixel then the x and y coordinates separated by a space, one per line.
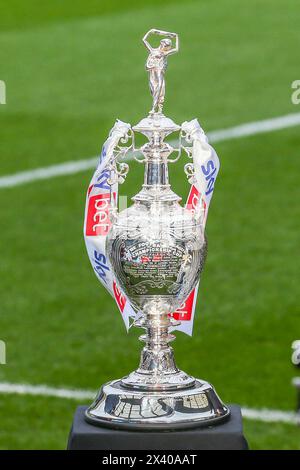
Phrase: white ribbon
pixel 206 167
pixel 101 197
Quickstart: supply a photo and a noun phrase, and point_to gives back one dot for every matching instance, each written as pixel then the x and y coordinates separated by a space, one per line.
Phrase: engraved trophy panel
pixel 156 250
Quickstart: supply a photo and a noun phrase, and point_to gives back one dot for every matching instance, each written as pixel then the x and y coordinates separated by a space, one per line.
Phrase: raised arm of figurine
pixel 171 36
pixel 149 47
pixel 165 34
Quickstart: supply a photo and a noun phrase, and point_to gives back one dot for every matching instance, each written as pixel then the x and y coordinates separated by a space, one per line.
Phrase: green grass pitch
pixel 71 68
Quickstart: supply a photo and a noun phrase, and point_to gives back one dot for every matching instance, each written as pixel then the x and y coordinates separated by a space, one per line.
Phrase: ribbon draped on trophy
pixel 102 196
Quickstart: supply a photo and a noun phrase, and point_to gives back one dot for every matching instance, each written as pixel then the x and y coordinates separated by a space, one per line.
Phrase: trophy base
pixel 120 407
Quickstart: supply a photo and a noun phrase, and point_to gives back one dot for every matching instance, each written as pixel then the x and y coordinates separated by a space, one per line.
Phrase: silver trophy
pixel 156 250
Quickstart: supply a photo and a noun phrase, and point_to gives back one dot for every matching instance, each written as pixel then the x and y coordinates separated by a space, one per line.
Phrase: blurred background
pixel 71 68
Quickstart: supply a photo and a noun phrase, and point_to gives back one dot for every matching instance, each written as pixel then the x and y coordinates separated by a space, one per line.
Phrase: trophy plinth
pixel 227 435
pixel 119 407
pixel 156 250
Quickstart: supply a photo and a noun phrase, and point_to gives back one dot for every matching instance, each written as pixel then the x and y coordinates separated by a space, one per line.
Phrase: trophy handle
pixel 189 168
pixel 178 150
pixel 118 168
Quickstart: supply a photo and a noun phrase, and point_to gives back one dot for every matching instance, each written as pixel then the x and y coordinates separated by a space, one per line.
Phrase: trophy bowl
pixel 157 250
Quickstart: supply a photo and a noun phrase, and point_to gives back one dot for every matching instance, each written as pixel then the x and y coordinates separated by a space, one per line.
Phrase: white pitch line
pixel 264 415
pixel 256 127
pixel 271 416
pixel 44 390
pixel 76 166
pixel 43 173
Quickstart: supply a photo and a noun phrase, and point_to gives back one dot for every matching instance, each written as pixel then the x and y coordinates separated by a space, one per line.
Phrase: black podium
pixel 224 436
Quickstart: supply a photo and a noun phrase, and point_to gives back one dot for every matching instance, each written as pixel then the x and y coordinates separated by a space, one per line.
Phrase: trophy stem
pixel 157 355
pixel 157 369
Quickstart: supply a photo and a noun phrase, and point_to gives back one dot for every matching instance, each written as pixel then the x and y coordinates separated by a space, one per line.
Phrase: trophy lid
pixel 156 123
